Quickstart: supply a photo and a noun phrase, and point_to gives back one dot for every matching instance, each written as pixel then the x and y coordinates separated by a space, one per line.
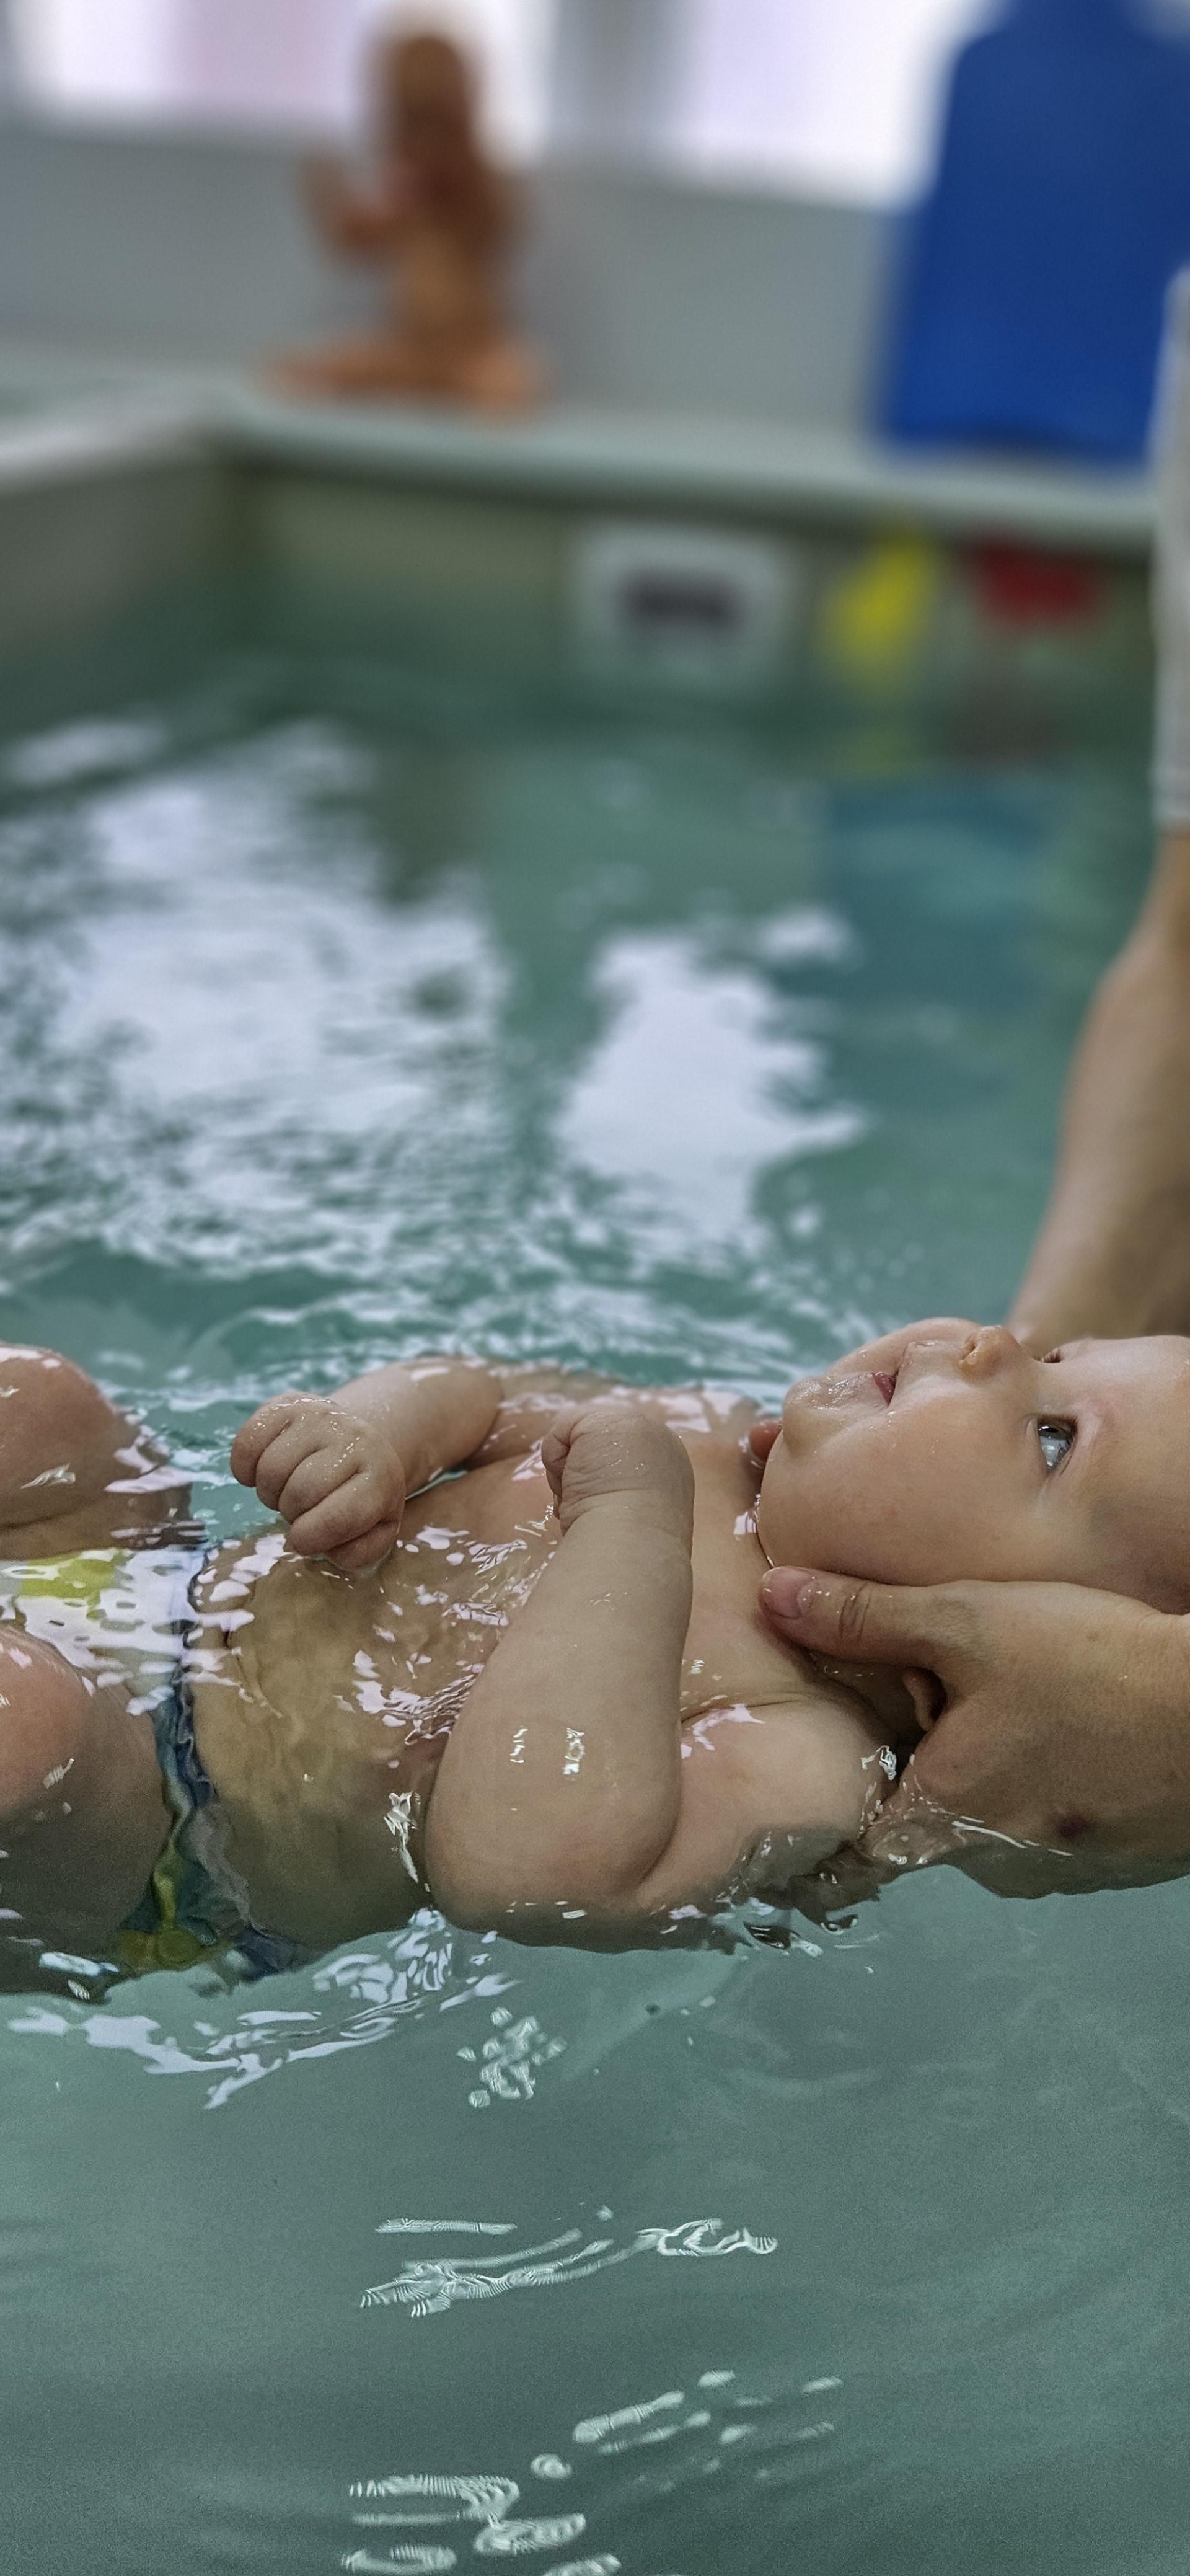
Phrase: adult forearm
pixel 1113 1252
pixel 560 1784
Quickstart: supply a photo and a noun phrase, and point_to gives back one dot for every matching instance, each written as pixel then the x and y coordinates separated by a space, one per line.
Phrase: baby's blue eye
pixel 1056 1440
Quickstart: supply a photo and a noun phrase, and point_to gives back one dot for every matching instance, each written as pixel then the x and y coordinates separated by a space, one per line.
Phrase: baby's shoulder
pixel 711 1415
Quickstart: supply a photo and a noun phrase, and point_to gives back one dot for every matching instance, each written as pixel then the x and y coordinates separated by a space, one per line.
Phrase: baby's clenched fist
pixel 336 1478
pixel 595 1453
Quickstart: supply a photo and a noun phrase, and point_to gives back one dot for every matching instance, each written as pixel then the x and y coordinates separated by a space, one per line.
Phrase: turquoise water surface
pixel 344 1017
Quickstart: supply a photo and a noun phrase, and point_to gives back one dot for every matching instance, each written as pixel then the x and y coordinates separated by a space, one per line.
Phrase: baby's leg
pixel 500 375
pixel 370 362
pixel 82 1815
pixel 74 1471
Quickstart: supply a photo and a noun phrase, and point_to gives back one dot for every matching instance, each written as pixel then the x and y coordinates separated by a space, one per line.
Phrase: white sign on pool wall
pixel 702 607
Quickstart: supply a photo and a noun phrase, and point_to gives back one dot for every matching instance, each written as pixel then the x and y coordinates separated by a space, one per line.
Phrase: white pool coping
pixel 75 415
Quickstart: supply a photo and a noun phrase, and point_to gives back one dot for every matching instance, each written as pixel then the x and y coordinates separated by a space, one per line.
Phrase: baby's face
pixel 946 1452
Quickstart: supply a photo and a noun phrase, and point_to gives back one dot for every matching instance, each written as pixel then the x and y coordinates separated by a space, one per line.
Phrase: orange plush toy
pixel 441 219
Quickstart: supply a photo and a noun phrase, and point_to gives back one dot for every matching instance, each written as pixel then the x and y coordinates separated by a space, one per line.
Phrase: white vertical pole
pixel 9 65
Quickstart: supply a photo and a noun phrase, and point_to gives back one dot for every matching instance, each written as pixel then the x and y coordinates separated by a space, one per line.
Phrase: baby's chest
pixel 448 1595
pixel 400 1647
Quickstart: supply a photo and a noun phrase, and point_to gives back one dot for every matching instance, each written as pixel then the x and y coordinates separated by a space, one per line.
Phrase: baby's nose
pixel 988 1351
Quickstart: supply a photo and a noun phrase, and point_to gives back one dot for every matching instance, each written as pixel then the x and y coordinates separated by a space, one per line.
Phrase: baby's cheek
pixel 783 1520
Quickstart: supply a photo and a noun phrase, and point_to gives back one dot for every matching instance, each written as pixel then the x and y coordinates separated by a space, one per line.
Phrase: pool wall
pixel 647 292
pixel 713 353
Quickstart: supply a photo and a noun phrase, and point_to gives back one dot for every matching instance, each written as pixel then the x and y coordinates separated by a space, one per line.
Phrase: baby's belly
pixel 323 1702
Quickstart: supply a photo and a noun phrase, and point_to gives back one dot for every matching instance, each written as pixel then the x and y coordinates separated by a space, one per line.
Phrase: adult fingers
pixel 942 1628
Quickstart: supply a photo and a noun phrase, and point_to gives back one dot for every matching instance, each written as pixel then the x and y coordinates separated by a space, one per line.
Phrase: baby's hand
pixel 333 1476
pixel 595 1452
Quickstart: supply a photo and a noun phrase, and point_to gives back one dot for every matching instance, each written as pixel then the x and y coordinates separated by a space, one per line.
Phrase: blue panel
pixel 1030 310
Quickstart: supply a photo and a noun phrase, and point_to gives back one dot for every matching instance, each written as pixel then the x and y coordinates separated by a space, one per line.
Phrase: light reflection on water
pixel 688 1054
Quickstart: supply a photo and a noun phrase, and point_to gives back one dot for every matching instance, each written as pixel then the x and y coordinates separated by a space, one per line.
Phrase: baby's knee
pixel 47 1399
pixel 61 1441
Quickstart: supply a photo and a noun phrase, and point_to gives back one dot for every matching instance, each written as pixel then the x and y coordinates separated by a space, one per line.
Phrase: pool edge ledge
pixel 603 459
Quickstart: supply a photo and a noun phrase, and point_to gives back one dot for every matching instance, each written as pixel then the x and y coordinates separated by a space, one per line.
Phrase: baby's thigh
pixel 46 1710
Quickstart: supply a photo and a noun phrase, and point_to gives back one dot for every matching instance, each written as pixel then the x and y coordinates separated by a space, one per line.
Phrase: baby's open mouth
pixel 885 1382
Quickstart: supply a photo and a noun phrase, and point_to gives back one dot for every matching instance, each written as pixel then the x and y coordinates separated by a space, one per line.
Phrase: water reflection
pixel 428 2285
pixel 362 1997
pixel 290 1058
pixel 694 1087
pixel 221 1051
pixel 702 2428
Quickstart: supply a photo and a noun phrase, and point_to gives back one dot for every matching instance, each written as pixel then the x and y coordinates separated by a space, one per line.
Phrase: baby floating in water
pixel 539 1693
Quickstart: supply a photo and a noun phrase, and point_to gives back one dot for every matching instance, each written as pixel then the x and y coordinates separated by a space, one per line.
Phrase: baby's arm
pixel 338 1467
pixel 532 1396
pixel 529 1402
pixel 559 1787
pixel 570 1803
pixel 349 219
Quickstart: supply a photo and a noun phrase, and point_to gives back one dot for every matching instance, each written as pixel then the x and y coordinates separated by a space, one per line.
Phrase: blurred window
pixel 835 98
pixel 263 62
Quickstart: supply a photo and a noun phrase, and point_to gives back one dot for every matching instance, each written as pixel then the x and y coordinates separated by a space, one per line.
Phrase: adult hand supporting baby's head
pixel 1058 1718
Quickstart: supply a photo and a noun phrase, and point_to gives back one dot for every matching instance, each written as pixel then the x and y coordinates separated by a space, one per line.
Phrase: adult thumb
pixel 878 1623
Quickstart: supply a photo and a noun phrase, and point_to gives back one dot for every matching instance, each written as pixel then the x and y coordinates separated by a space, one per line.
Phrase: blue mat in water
pixel 1030 311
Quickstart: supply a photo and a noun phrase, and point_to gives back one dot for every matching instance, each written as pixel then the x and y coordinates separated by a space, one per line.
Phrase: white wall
pixel 646 290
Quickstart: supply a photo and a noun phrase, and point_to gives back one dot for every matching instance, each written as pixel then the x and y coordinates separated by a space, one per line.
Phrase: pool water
pixel 344 1017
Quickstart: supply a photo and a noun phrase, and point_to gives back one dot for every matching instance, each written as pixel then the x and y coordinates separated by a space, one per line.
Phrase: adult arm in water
pixel 1113 1252
pixel 1063 1715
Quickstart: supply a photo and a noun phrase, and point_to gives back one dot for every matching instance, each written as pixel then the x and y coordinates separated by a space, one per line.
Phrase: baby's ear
pixel 44 1710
